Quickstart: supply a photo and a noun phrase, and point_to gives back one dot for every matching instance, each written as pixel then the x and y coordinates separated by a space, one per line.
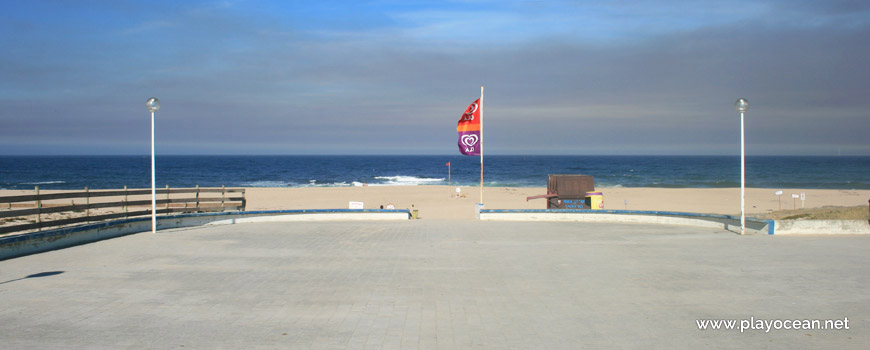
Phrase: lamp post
pixel 742 105
pixel 153 104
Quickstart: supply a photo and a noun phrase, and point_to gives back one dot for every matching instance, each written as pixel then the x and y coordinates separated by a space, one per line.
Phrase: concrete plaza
pixel 436 285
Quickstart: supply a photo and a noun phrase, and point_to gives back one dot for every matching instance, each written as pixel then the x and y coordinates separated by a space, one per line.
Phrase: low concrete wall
pixel 37 242
pixel 821 227
pixel 726 222
pixel 328 216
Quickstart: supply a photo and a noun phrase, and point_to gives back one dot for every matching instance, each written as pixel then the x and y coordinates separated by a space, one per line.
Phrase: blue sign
pixel 573 203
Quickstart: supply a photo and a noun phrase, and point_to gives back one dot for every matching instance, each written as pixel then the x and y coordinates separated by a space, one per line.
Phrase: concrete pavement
pixel 435 285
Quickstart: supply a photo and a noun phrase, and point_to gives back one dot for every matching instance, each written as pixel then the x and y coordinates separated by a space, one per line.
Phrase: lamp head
pixel 153 104
pixel 742 105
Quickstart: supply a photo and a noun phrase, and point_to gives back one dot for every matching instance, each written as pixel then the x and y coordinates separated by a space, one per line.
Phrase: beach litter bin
pixel 595 200
pixel 414 214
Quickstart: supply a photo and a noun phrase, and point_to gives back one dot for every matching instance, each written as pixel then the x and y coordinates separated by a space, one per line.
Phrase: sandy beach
pixel 442 203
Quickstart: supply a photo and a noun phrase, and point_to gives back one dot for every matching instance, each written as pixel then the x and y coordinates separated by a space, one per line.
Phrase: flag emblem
pixel 469 140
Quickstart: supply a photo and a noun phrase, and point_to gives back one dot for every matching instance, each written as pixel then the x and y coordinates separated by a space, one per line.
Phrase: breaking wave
pixel 406 181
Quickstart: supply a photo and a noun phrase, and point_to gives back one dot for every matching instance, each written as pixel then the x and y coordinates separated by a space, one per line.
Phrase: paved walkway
pixel 435 285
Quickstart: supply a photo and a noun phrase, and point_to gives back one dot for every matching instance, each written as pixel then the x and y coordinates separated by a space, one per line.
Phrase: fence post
pixel 244 200
pixel 167 199
pixel 223 196
pixel 125 201
pixel 87 205
pixel 197 198
pixel 38 210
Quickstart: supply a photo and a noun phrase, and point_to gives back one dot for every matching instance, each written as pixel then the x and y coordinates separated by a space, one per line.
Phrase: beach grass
pixel 824 213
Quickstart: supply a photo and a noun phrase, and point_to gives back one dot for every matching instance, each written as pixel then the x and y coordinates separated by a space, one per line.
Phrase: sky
pixel 393 77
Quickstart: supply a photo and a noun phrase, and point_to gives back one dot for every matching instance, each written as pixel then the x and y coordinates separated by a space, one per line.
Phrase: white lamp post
pixel 153 104
pixel 742 105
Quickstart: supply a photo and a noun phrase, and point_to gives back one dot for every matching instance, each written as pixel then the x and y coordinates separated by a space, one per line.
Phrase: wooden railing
pixel 39 205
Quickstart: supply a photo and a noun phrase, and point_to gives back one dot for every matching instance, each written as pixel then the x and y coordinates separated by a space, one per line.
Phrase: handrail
pixel 113 193
pixel 196 203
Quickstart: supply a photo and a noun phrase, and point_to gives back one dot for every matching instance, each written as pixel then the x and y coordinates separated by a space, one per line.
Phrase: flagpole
pixel 449 184
pixel 481 144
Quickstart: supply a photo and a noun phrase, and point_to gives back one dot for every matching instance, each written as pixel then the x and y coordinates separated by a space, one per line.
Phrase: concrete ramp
pixel 37 242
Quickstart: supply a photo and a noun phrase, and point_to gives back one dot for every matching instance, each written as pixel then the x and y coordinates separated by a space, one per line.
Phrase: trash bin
pixel 596 200
pixel 414 214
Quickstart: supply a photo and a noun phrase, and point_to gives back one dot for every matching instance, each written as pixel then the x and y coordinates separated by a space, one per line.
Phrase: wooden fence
pixel 39 205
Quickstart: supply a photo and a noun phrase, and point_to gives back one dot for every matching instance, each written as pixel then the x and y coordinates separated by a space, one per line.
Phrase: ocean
pixel 112 172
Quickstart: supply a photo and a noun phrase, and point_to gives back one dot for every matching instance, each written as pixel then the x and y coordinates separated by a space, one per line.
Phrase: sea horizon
pixel 431 155
pixel 667 171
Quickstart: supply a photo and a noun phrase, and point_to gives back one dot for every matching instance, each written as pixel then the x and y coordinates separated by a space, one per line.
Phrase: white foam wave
pixel 265 183
pixel 43 183
pixel 314 183
pixel 401 180
pixel 604 185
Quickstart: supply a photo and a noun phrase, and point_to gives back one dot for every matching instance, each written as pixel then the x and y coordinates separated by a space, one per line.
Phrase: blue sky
pixel 393 77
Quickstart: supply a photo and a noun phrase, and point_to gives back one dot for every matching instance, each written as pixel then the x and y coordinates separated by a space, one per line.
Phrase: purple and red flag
pixel 469 130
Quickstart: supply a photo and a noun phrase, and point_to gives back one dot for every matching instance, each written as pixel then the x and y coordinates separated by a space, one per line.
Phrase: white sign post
pixel 779 195
pixel 803 198
pixel 794 197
